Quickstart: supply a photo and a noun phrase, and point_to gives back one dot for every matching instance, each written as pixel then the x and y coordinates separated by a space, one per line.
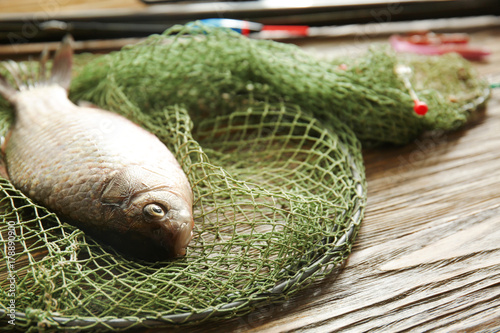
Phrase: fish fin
pixel 3 170
pixel 7 91
pixel 42 69
pixel 63 60
pixel 117 190
pixel 16 72
pixel 3 142
pixel 24 78
pixel 3 166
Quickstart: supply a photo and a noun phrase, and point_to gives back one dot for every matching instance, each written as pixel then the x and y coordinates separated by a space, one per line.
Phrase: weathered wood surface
pixel 56 7
pixel 427 257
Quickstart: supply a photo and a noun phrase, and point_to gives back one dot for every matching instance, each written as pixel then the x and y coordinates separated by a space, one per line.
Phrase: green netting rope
pixel 269 138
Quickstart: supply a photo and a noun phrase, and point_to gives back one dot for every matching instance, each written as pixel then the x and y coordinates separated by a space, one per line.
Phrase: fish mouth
pixel 182 239
pixel 160 241
pixel 175 237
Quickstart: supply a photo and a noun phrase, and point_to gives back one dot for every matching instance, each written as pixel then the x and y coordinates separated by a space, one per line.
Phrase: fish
pixel 94 168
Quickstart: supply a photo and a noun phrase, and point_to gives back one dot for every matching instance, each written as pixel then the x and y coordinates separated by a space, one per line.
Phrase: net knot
pixel 43 318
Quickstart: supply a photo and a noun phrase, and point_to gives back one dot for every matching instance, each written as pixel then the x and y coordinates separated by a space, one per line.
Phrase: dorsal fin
pixel 60 74
pixel 42 75
pixel 63 60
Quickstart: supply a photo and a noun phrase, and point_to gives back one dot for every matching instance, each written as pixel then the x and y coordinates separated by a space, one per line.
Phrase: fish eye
pixel 154 210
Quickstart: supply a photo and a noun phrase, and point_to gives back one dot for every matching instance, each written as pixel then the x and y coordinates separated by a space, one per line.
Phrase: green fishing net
pixel 269 137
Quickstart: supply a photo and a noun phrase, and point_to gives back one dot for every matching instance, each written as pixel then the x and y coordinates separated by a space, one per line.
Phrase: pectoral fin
pixel 118 190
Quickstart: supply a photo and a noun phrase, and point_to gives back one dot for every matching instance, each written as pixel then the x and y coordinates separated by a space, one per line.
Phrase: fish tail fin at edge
pixel 7 91
pixel 25 79
pixel 63 61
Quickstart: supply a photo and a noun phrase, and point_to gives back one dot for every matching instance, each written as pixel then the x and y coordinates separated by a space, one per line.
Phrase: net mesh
pixel 269 138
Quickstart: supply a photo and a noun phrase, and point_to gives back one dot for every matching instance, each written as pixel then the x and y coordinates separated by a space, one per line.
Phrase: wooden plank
pixel 56 7
pixel 427 257
pixel 22 51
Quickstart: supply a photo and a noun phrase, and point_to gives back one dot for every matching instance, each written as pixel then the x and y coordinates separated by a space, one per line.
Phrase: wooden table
pixel 427 257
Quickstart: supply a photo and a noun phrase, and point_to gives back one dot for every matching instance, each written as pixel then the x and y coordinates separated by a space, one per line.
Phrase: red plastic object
pixel 420 107
pixel 437 44
pixel 293 30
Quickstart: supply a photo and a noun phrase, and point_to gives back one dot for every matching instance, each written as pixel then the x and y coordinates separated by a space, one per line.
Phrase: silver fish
pixel 96 169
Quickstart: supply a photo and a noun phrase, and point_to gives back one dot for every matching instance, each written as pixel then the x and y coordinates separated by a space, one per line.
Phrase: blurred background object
pixel 26 21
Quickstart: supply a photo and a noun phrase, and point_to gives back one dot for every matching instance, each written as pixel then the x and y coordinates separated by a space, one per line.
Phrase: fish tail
pixel 25 79
pixel 63 61
pixel 6 90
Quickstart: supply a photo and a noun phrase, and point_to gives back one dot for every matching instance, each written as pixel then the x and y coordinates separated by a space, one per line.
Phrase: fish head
pixel 164 217
pixel 150 215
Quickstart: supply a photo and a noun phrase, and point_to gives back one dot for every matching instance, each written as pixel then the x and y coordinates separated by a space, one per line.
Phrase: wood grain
pixel 427 257
pixel 58 6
